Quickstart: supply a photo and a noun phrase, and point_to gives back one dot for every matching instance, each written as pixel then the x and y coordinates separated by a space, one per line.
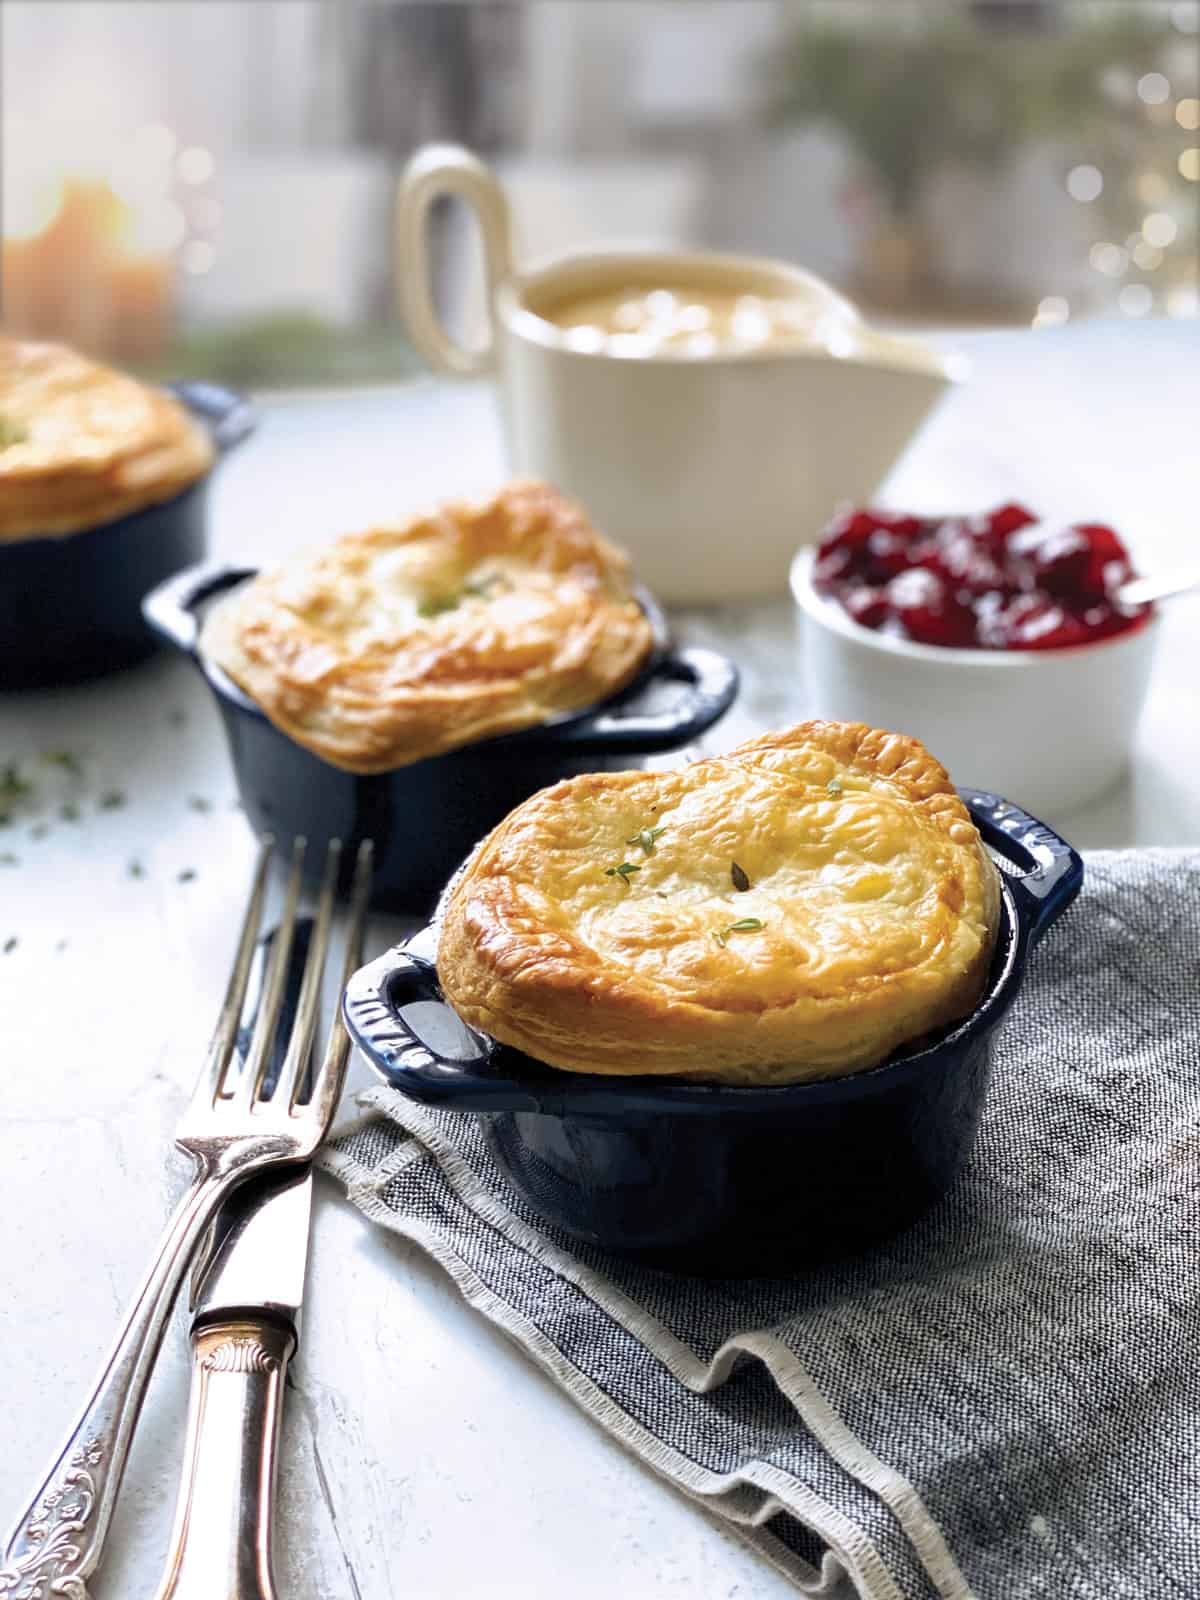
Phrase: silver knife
pixel 244 1327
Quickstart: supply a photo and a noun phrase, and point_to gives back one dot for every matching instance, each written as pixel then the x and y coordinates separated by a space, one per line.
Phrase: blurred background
pixel 205 187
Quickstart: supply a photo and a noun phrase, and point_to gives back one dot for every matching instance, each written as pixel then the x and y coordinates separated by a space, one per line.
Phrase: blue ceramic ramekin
pixel 71 604
pixel 709 1178
pixel 426 816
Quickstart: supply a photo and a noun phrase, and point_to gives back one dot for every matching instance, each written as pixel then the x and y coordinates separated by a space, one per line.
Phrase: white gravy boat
pixel 709 469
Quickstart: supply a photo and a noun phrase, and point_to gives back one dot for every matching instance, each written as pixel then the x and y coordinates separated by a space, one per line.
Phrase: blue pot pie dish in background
pixel 103 493
pixel 412 683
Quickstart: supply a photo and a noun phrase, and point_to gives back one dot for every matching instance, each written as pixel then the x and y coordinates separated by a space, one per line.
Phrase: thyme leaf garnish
pixel 834 786
pixel 646 839
pixel 742 925
pixel 433 605
pixel 481 588
pixel 740 881
pixel 624 871
pixel 11 431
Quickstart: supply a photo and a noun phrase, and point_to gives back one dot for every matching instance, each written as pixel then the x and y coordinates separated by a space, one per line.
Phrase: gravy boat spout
pixel 875 390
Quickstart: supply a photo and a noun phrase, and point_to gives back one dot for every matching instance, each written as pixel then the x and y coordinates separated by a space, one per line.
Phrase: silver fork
pixel 231 1129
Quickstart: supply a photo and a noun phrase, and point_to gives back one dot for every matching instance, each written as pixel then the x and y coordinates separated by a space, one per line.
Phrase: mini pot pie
pixel 797 909
pixel 402 642
pixel 82 444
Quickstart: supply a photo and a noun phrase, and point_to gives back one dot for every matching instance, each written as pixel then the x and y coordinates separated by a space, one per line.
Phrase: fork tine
pixel 225 1033
pixel 327 1088
pixel 299 1050
pixel 267 1021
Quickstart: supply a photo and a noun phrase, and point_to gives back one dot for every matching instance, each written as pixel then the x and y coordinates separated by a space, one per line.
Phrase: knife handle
pixel 221 1544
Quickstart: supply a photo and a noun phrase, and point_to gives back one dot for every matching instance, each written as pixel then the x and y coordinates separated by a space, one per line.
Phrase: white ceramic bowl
pixel 1047 729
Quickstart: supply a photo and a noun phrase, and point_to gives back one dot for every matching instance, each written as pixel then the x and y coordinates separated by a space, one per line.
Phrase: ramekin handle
pixel 230 417
pixel 710 683
pixel 373 1008
pixel 1052 872
pixel 170 609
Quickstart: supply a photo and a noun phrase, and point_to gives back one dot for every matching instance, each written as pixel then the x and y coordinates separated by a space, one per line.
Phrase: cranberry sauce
pixel 1000 581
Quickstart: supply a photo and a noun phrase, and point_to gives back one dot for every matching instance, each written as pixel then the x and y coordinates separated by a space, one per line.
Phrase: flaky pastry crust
pixel 868 921
pixel 402 642
pixel 82 444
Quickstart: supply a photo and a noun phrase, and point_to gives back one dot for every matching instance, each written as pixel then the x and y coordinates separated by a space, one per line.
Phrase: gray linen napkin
pixel 1002 1403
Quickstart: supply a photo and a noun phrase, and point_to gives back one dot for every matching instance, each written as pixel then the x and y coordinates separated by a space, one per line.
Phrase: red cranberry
pixel 901 523
pixel 886 555
pixel 850 530
pixel 928 612
pixel 833 561
pixel 1007 519
pixel 959 553
pixel 1035 622
pixel 866 606
pixel 1073 564
pixel 996 581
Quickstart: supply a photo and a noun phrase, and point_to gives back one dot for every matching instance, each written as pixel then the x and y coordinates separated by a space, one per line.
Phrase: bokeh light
pixel 198 256
pixel 1153 89
pixel 1189 164
pixel 1136 300
pixel 1159 229
pixel 1085 183
pixel 1109 259
pixel 1051 311
pixel 195 164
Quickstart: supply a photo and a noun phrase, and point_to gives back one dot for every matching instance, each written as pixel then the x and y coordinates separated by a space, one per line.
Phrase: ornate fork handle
pixel 56 1544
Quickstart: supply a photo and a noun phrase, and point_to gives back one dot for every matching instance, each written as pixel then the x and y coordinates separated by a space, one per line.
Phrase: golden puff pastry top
pixel 796 909
pixel 406 641
pixel 81 444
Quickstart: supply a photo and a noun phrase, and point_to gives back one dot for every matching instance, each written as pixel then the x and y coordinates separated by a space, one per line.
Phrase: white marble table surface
pixel 423 1455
